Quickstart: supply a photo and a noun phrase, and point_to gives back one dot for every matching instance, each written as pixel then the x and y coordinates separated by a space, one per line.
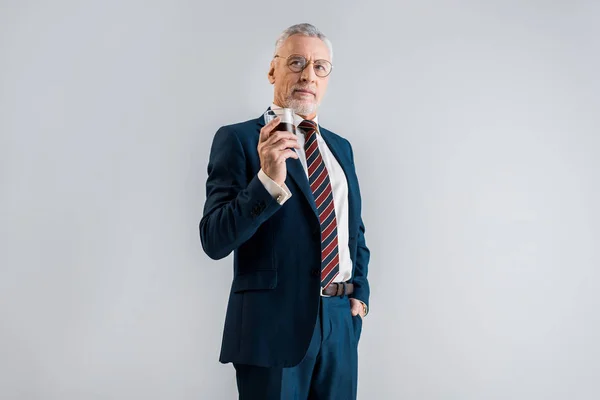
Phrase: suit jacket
pixel 275 293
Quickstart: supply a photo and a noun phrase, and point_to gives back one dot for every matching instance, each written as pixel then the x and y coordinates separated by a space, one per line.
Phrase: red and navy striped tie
pixel 318 178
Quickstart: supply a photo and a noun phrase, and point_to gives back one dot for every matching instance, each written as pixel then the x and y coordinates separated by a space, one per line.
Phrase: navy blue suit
pixel 275 294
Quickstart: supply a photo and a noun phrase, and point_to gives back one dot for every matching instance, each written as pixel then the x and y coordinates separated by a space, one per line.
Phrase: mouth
pixel 304 92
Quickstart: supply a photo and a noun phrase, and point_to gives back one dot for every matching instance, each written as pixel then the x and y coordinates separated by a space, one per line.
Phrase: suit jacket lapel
pixel 296 172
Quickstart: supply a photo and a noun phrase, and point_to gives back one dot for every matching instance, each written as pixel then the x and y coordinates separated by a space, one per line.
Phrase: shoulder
pixel 242 132
pixel 251 124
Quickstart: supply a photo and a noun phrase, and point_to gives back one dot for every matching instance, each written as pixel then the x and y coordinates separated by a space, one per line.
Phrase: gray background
pixel 476 131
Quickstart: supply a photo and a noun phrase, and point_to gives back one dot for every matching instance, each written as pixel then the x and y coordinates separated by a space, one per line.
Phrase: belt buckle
pixel 337 284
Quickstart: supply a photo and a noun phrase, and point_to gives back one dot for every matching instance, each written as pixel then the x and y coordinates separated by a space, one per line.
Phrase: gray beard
pixel 301 107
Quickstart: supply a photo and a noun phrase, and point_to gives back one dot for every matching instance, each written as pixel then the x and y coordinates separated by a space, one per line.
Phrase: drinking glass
pixel 287 119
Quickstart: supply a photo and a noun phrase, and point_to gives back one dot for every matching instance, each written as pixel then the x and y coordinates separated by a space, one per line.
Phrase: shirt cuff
pixel 279 193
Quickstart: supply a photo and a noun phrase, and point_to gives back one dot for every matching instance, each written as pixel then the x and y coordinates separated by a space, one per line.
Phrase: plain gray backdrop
pixel 476 131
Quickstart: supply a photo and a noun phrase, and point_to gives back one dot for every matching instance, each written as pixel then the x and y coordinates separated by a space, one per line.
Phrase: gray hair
pixel 305 30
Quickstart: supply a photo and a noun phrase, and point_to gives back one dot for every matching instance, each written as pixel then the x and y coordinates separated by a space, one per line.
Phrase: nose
pixel 308 73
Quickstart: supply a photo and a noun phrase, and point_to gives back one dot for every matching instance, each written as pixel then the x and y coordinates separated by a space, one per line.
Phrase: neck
pixel 310 117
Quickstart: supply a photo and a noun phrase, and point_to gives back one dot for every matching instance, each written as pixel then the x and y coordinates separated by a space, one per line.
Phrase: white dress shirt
pixel 339 186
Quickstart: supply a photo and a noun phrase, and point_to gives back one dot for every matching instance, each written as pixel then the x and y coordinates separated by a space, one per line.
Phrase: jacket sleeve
pixel 363 255
pixel 234 208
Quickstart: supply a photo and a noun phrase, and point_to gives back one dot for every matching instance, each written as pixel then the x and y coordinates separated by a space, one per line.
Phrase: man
pixel 289 207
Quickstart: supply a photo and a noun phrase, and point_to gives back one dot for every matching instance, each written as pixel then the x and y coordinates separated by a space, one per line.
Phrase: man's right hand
pixel 274 147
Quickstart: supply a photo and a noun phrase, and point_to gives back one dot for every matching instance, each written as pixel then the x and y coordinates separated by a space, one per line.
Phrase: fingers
pixel 290 154
pixel 286 144
pixel 275 147
pixel 282 156
pixel 279 135
pixel 265 131
pixel 287 154
pixel 280 151
pixel 355 307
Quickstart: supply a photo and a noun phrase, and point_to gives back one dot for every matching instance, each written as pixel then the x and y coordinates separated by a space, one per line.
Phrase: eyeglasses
pixel 297 63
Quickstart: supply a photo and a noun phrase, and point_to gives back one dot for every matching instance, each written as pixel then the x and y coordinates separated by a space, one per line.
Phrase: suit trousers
pixel 328 371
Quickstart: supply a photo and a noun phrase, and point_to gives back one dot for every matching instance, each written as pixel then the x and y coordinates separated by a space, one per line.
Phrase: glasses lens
pixel 296 63
pixel 322 68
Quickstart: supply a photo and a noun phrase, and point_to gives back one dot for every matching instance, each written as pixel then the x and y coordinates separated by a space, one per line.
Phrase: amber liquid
pixel 285 126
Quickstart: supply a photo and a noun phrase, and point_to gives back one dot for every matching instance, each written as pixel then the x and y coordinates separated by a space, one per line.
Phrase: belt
pixel 338 289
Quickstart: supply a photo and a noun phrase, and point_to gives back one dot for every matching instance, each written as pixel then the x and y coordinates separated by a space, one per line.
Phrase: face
pixel 300 91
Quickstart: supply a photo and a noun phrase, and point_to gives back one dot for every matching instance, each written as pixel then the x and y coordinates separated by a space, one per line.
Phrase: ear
pixel 271 73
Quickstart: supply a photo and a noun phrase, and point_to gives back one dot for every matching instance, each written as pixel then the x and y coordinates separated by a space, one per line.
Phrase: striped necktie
pixel 318 178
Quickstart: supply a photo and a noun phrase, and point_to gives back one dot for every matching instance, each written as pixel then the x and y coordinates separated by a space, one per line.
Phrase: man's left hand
pixel 357 308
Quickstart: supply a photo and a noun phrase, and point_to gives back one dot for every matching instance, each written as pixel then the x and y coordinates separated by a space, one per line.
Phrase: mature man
pixel 289 207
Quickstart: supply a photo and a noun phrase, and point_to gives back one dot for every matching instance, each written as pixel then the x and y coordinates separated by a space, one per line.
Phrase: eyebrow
pixel 308 58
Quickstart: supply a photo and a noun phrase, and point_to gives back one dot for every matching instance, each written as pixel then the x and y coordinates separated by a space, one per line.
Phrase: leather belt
pixel 338 289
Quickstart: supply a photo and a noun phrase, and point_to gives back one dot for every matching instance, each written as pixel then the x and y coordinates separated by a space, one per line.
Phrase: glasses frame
pixel 306 64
